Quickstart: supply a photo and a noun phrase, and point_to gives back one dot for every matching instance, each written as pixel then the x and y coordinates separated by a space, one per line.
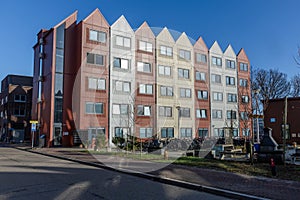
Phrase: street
pixel 24 175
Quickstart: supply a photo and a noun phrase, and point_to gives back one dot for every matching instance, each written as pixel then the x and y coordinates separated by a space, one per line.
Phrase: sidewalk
pixel 257 186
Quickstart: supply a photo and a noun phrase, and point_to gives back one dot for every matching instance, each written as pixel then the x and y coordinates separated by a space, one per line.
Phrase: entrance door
pixel 57 136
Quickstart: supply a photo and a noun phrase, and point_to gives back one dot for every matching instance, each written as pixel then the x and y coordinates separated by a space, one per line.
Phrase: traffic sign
pixel 34 122
pixel 33 127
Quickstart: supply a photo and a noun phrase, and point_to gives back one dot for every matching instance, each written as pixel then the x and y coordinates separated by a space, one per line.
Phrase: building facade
pixel 92 79
pixel 15 108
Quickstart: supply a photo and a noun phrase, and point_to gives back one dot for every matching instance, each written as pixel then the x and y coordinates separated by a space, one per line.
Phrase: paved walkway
pixel 258 186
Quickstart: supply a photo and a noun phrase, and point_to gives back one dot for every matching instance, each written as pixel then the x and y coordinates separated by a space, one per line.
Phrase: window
pixel 122 86
pixel 95 59
pixel 123 41
pixel 184 54
pixel 167 132
pixel 215 78
pixel 201 58
pixel 164 70
pixel 166 91
pixel 200 76
pixel 184 73
pixel 146 132
pixel 167 51
pixel 243 82
pixel 1 114
pixel 93 108
pixel 98 36
pixel 231 97
pixel 19 98
pixel 184 112
pixel 120 109
pixel 145 89
pixel 245 99
pixel 185 132
pixel 121 63
pixel 217 114
pixel 19 111
pixel 165 111
pixel 230 80
pixel 244 115
pixel 143 67
pixel 272 120
pixel 143 110
pixel 145 46
pixel 185 93
pixel 230 64
pixel 201 113
pixel 121 132
pixel 202 94
pixel 218 132
pixel 231 114
pixel 96 83
pixel 244 67
pixel 216 61
pixel 217 96
pixel 246 132
pixel 202 132
pixel 285 131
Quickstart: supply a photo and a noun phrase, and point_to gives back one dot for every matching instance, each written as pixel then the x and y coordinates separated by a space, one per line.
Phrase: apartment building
pixel 15 108
pixel 94 79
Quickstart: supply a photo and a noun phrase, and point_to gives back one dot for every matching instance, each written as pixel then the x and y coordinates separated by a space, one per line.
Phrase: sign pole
pixel 32 139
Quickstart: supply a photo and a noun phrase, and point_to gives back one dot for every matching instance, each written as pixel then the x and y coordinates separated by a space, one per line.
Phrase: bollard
pixel 273 167
pixel 166 155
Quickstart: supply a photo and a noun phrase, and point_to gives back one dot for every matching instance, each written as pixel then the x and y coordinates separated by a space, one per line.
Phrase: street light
pixel 256 92
pixel 178 108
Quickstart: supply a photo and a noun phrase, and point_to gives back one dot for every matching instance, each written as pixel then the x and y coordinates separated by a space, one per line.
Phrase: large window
pixel 122 86
pixel 215 78
pixel 167 132
pixel 246 132
pixel 123 41
pixel 186 132
pixel 95 59
pixel 120 109
pixel 217 114
pixel 244 67
pixel 121 132
pixel 166 91
pixel 230 80
pixel 98 36
pixel 165 111
pixel 96 83
pixel 243 82
pixel 143 67
pixel 93 108
pixel 183 73
pixel 146 89
pixel 164 70
pixel 218 132
pixel 167 51
pixel 184 112
pixel 201 58
pixel 202 132
pixel 201 113
pixel 200 76
pixel 245 99
pixel 184 54
pixel 143 110
pixel 20 98
pixel 146 132
pixel 145 46
pixel 121 63
pixel 230 64
pixel 231 114
pixel 244 115
pixel 231 97
pixel 216 61
pixel 185 93
pixel 19 110
pixel 202 94
pixel 217 96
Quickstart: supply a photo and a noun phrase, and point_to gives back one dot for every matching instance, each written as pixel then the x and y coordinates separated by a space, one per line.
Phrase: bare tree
pixel 271 84
pixel 295 85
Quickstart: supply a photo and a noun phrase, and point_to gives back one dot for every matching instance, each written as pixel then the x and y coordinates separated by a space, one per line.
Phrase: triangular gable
pixel 69 20
pixel 96 17
pixel 242 55
pixel 200 45
pixel 229 52
pixel 215 48
pixel 184 40
pixel 122 25
pixel 165 36
pixel 145 31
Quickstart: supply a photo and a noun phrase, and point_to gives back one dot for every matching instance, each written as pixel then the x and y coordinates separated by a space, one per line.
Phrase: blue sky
pixel 269 30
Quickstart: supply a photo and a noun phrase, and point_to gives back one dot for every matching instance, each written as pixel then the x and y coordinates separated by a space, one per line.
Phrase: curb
pixel 169 181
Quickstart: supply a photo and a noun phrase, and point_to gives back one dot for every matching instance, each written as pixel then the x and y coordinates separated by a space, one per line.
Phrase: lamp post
pixel 256 92
pixel 178 109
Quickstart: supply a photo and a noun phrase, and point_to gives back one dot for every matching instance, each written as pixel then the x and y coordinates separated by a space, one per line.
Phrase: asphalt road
pixel 24 175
